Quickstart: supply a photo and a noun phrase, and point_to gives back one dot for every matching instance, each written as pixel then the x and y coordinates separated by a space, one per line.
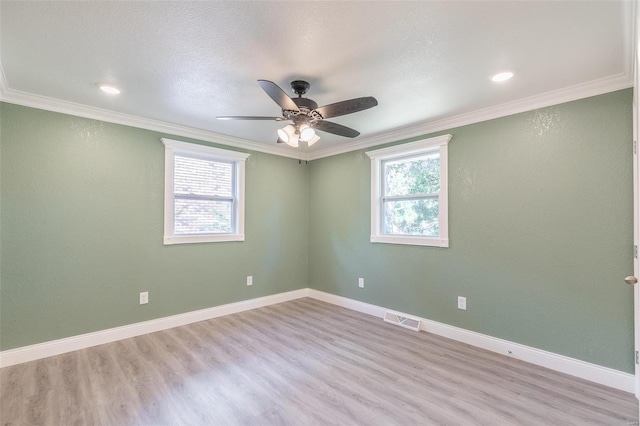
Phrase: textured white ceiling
pixel 188 62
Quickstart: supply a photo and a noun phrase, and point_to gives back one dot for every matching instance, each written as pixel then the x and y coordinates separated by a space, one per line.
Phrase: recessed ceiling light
pixel 503 76
pixel 107 88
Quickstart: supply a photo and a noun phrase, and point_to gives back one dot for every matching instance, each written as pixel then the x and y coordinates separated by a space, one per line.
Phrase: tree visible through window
pixel 411 192
pixel 409 199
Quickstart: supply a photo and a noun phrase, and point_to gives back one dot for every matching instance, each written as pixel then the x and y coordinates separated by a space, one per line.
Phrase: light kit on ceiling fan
pixel 289 135
pixel 292 136
pixel 305 114
pixel 313 140
pixel 306 132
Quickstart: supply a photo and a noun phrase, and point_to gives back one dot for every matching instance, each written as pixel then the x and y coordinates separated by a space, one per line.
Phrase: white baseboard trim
pixel 74 343
pixel 595 373
pixel 584 370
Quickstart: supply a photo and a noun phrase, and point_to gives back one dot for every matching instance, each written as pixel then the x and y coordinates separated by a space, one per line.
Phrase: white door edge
pixel 636 205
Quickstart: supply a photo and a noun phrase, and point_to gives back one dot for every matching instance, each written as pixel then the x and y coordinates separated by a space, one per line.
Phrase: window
pixel 409 200
pixel 204 193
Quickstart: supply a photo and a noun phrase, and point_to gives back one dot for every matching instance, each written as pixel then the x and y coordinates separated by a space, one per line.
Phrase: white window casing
pixel 409 150
pixel 234 198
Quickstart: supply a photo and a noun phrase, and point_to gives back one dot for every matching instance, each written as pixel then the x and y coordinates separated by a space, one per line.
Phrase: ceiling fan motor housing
pixel 306 113
pixel 305 103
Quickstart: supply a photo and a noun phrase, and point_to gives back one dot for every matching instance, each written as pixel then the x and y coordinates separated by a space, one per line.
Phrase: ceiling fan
pixel 305 114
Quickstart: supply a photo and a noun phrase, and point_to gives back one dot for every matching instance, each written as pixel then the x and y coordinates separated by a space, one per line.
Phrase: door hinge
pixel 635 252
pixel 637 360
pixel 635 147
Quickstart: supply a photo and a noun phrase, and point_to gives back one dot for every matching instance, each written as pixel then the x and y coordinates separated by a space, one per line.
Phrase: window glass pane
pixel 202 177
pixel 420 175
pixel 412 217
pixel 202 217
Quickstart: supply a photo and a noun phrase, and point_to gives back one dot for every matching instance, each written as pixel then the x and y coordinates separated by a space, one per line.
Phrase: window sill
pixel 193 239
pixel 410 240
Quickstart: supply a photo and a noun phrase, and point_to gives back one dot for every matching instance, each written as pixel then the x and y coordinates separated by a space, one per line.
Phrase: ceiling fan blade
pixel 336 129
pixel 278 95
pixel 347 107
pixel 247 117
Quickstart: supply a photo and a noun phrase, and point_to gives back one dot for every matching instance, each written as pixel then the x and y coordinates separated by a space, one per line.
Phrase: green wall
pixel 82 227
pixel 541 233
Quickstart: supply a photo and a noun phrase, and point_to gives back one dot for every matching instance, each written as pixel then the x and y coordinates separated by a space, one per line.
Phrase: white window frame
pixel 173 147
pixel 422 147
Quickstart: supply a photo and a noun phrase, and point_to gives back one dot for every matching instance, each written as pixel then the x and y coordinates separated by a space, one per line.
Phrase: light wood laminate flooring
pixel 303 362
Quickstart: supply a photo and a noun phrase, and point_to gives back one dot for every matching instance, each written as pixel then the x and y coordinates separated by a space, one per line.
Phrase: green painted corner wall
pixel 541 233
pixel 82 227
pixel 540 216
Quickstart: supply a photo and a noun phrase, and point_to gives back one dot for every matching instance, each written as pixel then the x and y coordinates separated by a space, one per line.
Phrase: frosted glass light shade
pixel 286 132
pixel 306 132
pixel 289 135
pixel 313 140
pixel 293 141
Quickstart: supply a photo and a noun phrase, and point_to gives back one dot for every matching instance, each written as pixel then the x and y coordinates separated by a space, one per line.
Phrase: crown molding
pixel 592 88
pixel 65 107
pixel 555 97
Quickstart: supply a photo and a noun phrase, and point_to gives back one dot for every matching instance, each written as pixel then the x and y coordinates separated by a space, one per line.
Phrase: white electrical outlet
pixel 361 282
pixel 144 297
pixel 462 303
pixel 250 280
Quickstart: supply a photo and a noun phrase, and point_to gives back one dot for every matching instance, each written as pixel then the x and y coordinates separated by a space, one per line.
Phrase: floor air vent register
pixel 402 321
